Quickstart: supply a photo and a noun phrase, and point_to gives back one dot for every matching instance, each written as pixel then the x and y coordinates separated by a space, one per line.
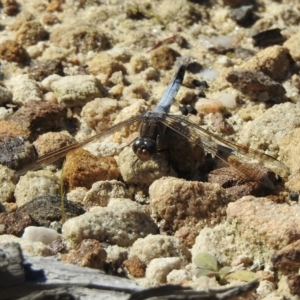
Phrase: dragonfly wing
pixel 242 152
pixel 236 155
pixel 57 154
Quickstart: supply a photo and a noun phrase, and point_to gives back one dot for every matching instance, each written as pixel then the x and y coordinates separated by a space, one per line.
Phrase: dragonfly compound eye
pixel 144 148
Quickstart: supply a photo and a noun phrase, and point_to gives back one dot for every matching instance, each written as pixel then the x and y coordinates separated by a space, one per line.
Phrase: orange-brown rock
pixel 293 282
pixel 135 267
pixel 82 169
pixel 163 57
pixel 11 128
pixel 30 33
pixel 54 5
pixel 287 258
pixel 15 222
pixel 12 51
pixel 89 253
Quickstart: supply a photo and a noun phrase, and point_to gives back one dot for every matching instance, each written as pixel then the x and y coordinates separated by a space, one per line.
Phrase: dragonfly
pixel 152 129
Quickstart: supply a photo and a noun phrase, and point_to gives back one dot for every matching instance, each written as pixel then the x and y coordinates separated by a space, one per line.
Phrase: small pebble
pixel 40 234
pixel 79 36
pixel 209 74
pixel 38 117
pixel 89 253
pixel 220 44
pixel 25 90
pixel 47 208
pixel 163 58
pixel 16 152
pixel 15 222
pixel 77 90
pixel 268 37
pixel 121 223
pixel 82 169
pixel 13 51
pixel 254 84
pixel 30 33
pixel 159 268
pixel 242 15
pixel 38 70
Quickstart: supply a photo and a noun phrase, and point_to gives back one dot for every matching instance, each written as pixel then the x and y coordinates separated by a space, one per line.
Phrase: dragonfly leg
pixel 133 169
pixel 127 145
pixel 158 138
pixel 169 156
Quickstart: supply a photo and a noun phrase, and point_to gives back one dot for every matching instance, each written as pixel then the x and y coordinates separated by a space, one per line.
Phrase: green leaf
pixel 242 275
pixel 224 271
pixel 206 261
pixel 207 273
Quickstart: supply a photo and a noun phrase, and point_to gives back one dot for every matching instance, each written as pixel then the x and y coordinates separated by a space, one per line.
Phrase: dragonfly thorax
pixel 144 148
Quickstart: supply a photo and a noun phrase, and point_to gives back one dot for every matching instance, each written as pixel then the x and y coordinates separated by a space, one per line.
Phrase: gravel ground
pixel 71 69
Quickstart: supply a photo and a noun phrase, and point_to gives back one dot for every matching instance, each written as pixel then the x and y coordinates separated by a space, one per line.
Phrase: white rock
pixel 50 97
pixel 150 74
pixel 209 74
pixel 137 171
pixel 204 283
pixel 25 90
pixel 218 241
pixel 76 90
pixel 220 42
pixel 46 82
pixel 178 276
pixel 116 255
pixel 137 90
pixel 159 268
pixel 77 195
pixel 228 99
pixel 267 130
pixel 234 237
pixel 225 61
pixel 157 246
pixel 35 184
pixel 103 149
pixel 56 53
pixel 7 184
pixel 28 247
pixel 102 191
pixel 35 51
pixel 40 234
pixel 5 113
pixel 120 53
pixel 265 287
pixel 121 222
pixel 100 113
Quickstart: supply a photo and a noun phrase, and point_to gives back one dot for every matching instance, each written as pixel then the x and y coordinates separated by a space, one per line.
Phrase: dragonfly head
pixel 144 148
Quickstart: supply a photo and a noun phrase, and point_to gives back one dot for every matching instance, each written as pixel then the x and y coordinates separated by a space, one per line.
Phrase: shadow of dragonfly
pixel 152 129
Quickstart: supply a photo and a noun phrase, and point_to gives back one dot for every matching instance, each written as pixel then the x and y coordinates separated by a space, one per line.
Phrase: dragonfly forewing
pixel 53 156
pixel 236 155
pixel 242 152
